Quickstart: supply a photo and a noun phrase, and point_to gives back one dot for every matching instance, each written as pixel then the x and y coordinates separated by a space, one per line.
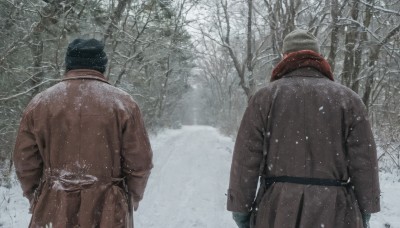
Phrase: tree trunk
pixel 115 18
pixel 335 33
pixel 358 52
pixel 350 42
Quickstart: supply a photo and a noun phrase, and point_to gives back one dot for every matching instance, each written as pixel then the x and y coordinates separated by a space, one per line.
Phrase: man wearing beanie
pixel 82 152
pixel 306 141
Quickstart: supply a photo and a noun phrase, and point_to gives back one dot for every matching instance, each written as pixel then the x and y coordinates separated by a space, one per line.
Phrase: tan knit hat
pixel 300 40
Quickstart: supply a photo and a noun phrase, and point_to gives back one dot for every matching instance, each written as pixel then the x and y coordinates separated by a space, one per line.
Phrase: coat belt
pixel 67 181
pixel 307 181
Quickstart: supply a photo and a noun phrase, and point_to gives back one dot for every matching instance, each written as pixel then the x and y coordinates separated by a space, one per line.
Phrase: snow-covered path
pixel 188 183
pixel 189 180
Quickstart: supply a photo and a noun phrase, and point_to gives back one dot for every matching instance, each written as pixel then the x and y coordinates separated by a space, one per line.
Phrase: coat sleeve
pixel 247 157
pixel 363 163
pixel 27 159
pixel 136 155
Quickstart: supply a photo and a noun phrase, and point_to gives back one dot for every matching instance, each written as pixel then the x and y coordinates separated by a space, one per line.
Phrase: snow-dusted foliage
pixel 149 51
pixel 240 42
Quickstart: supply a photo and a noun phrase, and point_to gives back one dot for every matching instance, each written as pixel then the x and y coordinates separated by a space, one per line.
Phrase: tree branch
pixel 30 89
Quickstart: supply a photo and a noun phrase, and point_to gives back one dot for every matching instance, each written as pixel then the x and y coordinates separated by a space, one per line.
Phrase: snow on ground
pixel 188 184
pixel 13 208
pixel 189 181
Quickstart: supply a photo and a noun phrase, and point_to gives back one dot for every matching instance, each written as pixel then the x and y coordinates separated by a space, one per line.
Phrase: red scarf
pixel 300 59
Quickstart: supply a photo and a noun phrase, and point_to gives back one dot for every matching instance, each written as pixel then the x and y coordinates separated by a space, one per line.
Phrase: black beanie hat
pixel 86 54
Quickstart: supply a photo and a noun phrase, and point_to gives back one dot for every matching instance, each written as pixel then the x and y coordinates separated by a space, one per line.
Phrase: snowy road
pixel 188 183
pixel 189 180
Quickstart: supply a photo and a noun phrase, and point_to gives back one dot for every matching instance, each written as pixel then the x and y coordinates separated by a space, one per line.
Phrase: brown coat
pixel 81 144
pixel 308 126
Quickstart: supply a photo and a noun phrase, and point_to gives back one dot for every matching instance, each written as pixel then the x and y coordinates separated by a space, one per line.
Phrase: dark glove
pixel 365 217
pixel 242 219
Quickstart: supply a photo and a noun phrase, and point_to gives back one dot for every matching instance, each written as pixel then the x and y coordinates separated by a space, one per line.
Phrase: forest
pixel 198 61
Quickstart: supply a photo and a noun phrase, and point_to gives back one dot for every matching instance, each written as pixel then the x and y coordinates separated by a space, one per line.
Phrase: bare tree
pixel 146 42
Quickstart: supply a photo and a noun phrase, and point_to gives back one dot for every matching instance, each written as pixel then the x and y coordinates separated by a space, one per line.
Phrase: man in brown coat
pixel 309 140
pixel 82 153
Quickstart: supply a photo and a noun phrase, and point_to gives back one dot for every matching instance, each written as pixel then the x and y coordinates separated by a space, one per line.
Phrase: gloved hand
pixel 242 219
pixel 365 217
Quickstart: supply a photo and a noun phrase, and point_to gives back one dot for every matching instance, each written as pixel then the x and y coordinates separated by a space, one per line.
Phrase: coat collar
pixel 304 72
pixel 302 59
pixel 84 74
